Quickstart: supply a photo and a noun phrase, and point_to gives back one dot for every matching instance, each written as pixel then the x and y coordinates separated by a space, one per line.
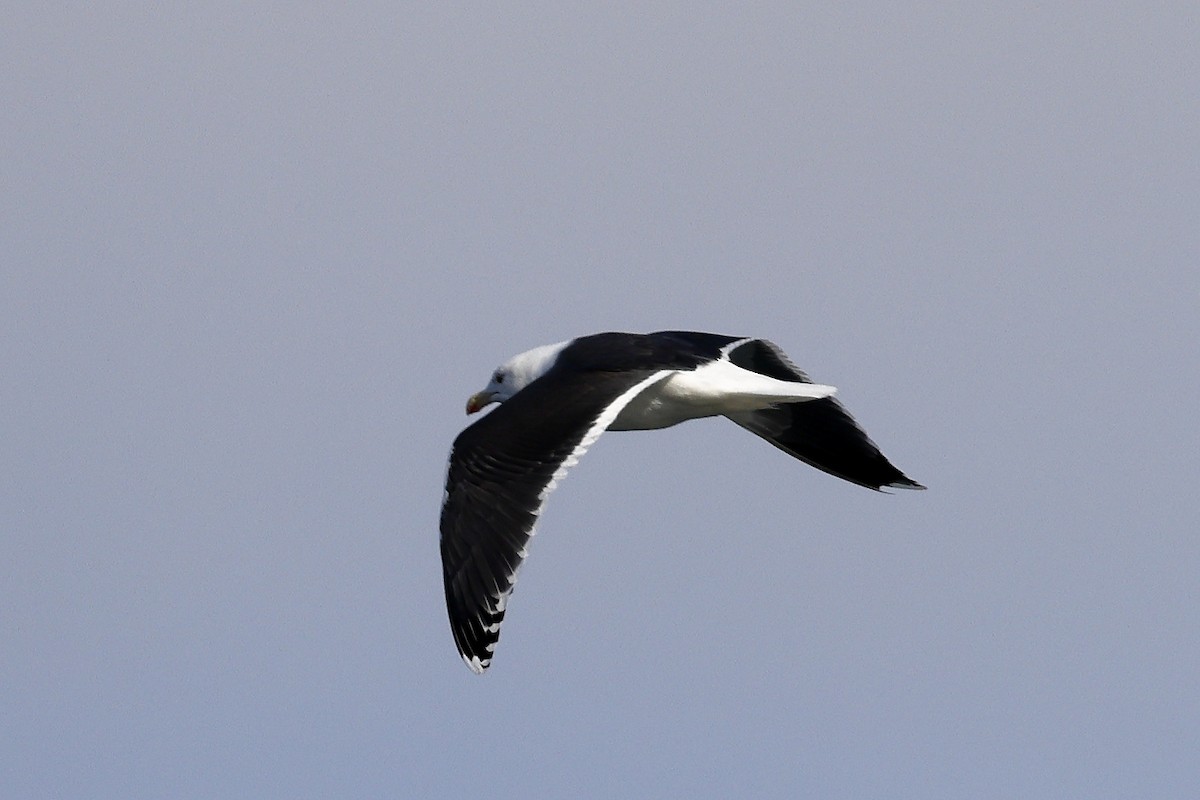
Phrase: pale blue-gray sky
pixel 256 258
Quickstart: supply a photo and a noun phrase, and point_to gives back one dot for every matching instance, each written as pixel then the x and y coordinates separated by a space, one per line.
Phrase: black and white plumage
pixel 556 400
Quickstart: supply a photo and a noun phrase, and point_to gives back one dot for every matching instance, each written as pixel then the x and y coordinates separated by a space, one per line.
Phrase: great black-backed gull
pixel 556 400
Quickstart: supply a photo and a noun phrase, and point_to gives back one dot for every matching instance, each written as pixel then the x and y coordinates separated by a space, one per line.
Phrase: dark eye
pixel 498 377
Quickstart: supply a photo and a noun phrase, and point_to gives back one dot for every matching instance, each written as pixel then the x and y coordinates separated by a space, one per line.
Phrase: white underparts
pixel 719 387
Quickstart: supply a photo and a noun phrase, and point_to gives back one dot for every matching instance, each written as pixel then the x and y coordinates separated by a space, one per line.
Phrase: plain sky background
pixel 255 257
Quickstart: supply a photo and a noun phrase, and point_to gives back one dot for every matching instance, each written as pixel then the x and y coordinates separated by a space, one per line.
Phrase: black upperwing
pixel 818 432
pixel 501 468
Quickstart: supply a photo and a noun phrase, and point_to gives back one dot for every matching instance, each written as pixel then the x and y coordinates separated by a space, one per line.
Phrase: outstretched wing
pixel 501 469
pixel 818 432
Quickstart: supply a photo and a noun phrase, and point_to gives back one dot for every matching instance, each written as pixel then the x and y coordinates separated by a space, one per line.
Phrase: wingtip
pixel 476 664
